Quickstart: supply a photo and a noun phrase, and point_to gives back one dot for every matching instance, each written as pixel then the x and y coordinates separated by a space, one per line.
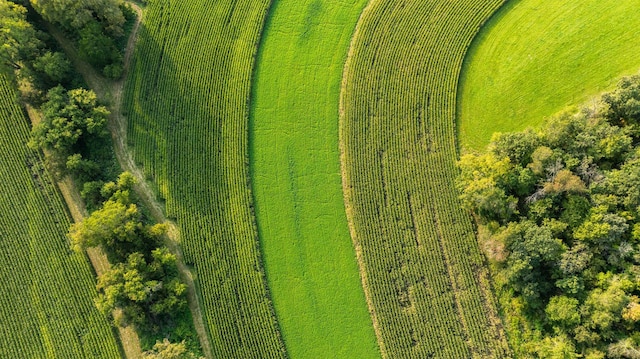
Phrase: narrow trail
pixel 111 93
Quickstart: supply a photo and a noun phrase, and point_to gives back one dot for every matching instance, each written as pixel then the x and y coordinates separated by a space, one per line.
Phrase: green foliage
pixel 18 39
pixel 76 14
pixel 572 252
pixel 55 67
pixel 70 118
pixel 168 350
pixel 142 292
pixel 98 49
pixel 118 225
pixel 97 27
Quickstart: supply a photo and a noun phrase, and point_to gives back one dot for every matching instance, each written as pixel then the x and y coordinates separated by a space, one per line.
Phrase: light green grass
pixel 309 258
pixel 536 57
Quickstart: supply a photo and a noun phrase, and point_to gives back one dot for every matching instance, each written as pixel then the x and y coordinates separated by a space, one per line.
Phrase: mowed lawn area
pixel 536 57
pixel 295 168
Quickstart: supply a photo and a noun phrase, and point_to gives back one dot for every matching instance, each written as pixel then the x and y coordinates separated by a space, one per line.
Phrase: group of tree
pixel 30 53
pixel 143 287
pixel 96 26
pixel 559 216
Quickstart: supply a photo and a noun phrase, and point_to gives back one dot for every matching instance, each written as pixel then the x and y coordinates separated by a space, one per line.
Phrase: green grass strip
pixel 309 258
pixel 537 57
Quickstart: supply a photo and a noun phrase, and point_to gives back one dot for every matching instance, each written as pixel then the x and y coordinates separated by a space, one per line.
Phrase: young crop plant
pixel 558 213
pixel 186 105
pixel 426 278
pixel 46 302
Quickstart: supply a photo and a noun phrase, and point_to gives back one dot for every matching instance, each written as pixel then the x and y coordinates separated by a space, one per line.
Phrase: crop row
pixel 188 127
pixel 426 279
pixel 46 305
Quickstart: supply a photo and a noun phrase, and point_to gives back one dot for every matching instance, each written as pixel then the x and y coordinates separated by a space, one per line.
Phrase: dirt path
pixel 111 93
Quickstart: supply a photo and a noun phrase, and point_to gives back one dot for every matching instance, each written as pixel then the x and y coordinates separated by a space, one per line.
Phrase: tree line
pixel 559 218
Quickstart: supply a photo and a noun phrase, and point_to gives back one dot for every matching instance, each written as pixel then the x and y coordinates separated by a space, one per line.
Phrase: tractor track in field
pixel 111 92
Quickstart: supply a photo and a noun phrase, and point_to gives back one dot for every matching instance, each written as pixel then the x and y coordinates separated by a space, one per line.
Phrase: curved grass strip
pixel 186 100
pixel 46 300
pixel 425 274
pixel 295 164
pixel 537 57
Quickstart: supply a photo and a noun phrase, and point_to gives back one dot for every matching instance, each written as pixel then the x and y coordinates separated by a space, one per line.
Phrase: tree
pixel 167 350
pixel 68 117
pixel 96 47
pixel 623 104
pixel 624 349
pixel 563 311
pixel 481 180
pixel 117 226
pixel 144 291
pixel 76 14
pixel 557 347
pixel 18 39
pixel 54 66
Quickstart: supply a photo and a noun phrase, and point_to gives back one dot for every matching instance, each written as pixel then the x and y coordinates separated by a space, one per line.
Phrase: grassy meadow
pixel 295 169
pixel 535 58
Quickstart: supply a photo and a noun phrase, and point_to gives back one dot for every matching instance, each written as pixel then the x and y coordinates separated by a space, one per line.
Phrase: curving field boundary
pixel 536 58
pixel 425 277
pixel 186 101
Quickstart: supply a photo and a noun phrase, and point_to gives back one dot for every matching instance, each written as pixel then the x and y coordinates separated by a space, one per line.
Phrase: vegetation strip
pixel 426 279
pixel 47 308
pixel 295 170
pixel 186 101
pixel 535 58
pixel 112 90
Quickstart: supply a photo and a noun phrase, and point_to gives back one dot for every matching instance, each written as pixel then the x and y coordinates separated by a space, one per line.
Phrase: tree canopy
pixel 77 14
pixel 19 41
pixel 559 210
pixel 69 117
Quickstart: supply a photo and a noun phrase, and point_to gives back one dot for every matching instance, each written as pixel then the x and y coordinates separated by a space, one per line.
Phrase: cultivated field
pixel 186 101
pixel 536 57
pixel 426 279
pixel 295 169
pixel 46 301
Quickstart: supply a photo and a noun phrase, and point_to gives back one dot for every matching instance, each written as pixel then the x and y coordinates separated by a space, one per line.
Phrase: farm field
pixel 426 277
pixel 534 58
pixel 186 102
pixel 295 170
pixel 47 308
